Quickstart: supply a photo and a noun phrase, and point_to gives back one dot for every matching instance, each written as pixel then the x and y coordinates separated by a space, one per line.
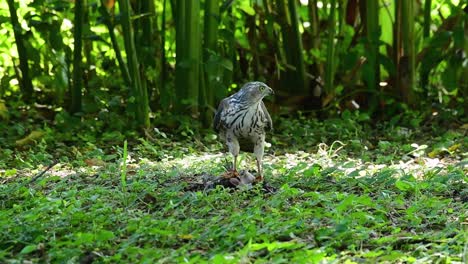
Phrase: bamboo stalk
pixel 272 33
pixel 341 16
pixel 76 92
pixel 250 24
pixel 314 30
pixel 408 65
pixel 210 31
pixel 87 48
pixel 188 55
pixel 193 52
pixel 330 64
pixel 373 35
pixel 140 94
pixel 292 45
pixel 24 80
pixel 427 18
pixel 180 72
pixel 163 59
pixel 426 33
pixel 115 45
pixel 397 50
pixel 298 50
pixel 145 36
pixel 231 49
pixel 145 40
pixel 173 9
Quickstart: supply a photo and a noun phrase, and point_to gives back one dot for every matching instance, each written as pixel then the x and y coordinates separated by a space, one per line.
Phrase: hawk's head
pixel 253 92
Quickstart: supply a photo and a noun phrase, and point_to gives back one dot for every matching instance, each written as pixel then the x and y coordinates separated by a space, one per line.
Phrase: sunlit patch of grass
pixel 320 212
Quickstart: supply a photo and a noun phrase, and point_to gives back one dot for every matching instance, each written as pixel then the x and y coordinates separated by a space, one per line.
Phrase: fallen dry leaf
pixel 33 136
pixel 94 162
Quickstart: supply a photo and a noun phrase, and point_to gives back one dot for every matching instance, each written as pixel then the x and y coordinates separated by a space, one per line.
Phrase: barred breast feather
pixel 243 120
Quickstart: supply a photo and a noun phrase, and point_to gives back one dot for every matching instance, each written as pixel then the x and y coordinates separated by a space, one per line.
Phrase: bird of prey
pixel 242 120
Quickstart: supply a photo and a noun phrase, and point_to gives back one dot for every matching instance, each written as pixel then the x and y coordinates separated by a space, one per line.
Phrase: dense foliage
pixel 136 57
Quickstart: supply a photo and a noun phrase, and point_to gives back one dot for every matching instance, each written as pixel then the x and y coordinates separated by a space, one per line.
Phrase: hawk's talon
pixel 231 174
pixel 259 178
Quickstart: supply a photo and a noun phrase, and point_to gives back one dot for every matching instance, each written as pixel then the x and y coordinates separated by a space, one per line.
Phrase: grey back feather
pixel 267 115
pixel 217 119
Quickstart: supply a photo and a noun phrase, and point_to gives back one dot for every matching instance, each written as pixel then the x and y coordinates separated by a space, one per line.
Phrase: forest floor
pixel 340 189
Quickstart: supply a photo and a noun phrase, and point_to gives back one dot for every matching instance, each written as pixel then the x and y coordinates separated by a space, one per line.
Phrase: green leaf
pixel 28 249
pixel 84 238
pixel 404 185
pixel 346 203
pixel 247 9
pixel 387 63
pixel 55 37
pixel 4 114
pixel 4 19
pixel 227 64
pixel 312 171
pixel 104 235
pixel 449 77
pixel 439 40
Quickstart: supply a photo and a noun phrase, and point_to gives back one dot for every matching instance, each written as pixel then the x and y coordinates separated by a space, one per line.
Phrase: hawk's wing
pixel 217 122
pixel 268 117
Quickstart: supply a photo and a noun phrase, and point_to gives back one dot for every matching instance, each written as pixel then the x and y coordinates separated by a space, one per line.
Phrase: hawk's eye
pixel 262 88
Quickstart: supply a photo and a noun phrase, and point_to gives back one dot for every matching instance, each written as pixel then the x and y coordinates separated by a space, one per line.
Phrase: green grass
pixel 375 197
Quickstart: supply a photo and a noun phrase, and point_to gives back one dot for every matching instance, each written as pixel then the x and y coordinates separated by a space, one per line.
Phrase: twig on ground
pixel 44 171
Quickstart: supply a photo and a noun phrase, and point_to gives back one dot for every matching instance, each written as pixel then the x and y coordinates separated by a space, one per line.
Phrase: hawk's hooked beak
pixel 268 91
